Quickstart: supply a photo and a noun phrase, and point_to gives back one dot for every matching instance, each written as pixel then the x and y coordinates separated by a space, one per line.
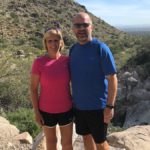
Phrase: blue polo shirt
pixel 89 65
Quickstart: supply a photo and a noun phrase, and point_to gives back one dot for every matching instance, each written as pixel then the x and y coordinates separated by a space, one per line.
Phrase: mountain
pixel 23 23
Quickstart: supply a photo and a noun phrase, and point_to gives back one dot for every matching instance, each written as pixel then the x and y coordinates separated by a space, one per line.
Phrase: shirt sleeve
pixel 108 62
pixel 35 67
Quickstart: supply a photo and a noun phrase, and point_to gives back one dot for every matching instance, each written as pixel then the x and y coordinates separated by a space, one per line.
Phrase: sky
pixel 120 12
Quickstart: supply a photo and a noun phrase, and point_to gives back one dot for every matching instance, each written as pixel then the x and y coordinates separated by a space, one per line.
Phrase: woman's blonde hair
pixel 50 33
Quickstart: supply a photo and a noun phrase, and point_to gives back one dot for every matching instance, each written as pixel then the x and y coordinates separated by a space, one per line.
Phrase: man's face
pixel 82 28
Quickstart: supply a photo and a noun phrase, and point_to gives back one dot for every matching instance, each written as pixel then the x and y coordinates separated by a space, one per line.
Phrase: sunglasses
pixel 54 25
pixel 79 25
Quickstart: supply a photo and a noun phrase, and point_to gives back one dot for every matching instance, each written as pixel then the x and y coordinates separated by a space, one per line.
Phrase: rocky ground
pixel 133 138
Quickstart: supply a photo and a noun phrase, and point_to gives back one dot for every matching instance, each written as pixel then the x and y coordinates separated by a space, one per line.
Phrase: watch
pixel 109 106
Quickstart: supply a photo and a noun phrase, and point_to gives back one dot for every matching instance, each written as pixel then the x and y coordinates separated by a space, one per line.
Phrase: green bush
pixel 14 82
pixel 15 17
pixel 3 43
pixel 23 119
pixel 18 41
pixel 36 42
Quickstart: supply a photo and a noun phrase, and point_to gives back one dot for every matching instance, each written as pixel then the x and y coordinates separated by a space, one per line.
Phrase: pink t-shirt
pixel 54 83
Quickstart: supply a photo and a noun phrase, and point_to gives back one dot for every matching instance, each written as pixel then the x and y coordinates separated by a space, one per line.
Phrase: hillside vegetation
pixel 22 24
pixel 140 61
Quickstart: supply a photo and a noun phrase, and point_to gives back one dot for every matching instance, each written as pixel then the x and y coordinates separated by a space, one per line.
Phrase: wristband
pixel 109 106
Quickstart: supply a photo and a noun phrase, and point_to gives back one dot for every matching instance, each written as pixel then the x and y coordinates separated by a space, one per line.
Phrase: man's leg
pixel 89 143
pixel 103 146
pixel 82 129
pixel 98 129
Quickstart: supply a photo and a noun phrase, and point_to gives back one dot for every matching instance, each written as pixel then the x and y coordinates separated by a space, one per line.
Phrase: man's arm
pixel 112 92
pixel 112 89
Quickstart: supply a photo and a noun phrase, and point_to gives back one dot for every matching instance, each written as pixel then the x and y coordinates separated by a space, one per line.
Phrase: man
pixel 94 84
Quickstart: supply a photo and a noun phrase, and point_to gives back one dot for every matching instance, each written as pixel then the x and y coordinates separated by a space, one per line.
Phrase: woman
pixel 53 104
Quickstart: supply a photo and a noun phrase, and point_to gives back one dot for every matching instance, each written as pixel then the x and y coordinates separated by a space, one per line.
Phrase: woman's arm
pixel 34 84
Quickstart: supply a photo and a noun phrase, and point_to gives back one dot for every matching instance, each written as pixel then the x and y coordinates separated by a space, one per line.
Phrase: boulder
pixel 147 84
pixel 24 137
pixel 8 134
pixel 126 75
pixel 135 75
pixel 3 120
pixel 131 81
pixel 138 95
pixel 7 130
pixel 138 114
pixel 78 144
pixel 134 138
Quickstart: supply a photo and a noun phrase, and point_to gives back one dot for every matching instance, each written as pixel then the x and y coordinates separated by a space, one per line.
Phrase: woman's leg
pixel 66 136
pixel 51 139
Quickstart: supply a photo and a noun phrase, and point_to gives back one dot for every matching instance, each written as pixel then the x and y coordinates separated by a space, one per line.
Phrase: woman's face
pixel 53 43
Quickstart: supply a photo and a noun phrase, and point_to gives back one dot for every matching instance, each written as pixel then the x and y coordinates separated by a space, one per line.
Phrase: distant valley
pixel 140 30
pixel 135 28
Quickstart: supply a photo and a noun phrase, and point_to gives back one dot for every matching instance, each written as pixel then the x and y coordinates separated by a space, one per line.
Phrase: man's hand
pixel 108 115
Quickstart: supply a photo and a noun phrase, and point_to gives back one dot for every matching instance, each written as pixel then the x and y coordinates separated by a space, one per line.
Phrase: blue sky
pixel 120 12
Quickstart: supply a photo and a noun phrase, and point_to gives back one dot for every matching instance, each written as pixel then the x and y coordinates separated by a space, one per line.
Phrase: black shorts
pixel 51 119
pixel 91 122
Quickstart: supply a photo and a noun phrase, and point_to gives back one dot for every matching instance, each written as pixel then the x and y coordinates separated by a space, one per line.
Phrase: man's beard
pixel 82 36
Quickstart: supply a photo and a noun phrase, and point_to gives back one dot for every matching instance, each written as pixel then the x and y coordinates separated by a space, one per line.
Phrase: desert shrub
pixel 15 17
pixel 19 41
pixel 36 42
pixel 3 43
pixel 14 82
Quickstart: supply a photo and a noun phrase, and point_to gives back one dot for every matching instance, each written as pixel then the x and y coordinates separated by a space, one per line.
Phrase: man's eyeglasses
pixel 79 25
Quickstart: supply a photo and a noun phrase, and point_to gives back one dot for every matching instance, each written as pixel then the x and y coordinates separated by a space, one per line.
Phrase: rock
pixel 19 53
pixel 126 75
pixel 78 144
pixel 135 75
pixel 147 84
pixel 134 138
pixel 138 95
pixel 138 114
pixel 6 129
pixel 3 120
pixel 126 84
pixel 8 132
pixel 24 137
pixel 131 81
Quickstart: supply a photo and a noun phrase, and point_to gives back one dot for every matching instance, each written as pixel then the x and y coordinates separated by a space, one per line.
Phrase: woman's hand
pixel 39 118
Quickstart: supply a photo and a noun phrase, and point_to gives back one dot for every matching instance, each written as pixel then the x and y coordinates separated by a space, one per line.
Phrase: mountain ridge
pixel 26 20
